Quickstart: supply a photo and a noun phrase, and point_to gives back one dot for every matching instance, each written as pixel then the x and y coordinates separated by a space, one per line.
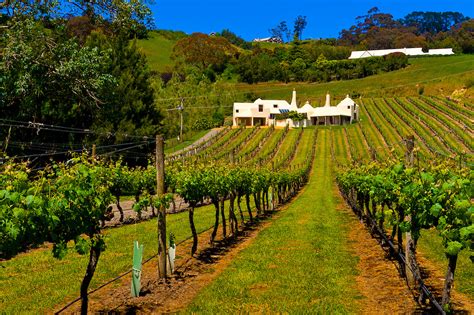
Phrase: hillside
pixel 427 75
pixel 435 75
pixel 158 48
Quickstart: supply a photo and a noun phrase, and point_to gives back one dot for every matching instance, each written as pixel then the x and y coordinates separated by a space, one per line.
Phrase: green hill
pixel 158 48
pixel 427 75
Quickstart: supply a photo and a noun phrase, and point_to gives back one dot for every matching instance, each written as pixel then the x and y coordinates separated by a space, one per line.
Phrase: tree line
pixel 378 30
pixel 312 61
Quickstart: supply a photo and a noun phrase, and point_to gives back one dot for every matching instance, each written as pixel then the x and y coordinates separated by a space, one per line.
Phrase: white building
pixel 406 51
pixel 267 40
pixel 268 112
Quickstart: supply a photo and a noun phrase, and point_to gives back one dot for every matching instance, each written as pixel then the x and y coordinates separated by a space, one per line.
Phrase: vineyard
pixel 242 176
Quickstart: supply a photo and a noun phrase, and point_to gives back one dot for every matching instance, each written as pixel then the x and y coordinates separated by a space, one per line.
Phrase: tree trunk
pixel 249 209
pixel 174 204
pixel 239 199
pixel 193 230
pixel 224 224
pixel 374 208
pixel 94 255
pixel 152 206
pixel 232 217
pixel 139 212
pixel 367 207
pixel 401 215
pixel 231 214
pixel 257 205
pixel 449 280
pixel 216 222
pixel 119 207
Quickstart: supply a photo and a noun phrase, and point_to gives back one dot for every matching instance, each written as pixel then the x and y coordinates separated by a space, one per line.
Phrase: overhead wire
pixel 49 127
pixel 131 145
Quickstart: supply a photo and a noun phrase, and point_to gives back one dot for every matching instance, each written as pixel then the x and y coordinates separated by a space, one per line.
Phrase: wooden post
pixel 160 191
pixel 231 156
pixel 409 265
pixel 93 153
pixel 410 145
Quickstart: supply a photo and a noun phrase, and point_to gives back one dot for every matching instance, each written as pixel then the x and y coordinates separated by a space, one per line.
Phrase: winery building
pixel 275 112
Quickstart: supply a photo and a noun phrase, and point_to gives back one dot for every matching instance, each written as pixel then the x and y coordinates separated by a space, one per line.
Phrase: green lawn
pixel 300 264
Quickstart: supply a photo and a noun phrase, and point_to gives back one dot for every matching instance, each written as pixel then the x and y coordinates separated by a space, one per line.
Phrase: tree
pixel 465 36
pixel 130 106
pixel 299 26
pixel 280 31
pixel 129 17
pixel 433 22
pixel 202 51
pixel 235 40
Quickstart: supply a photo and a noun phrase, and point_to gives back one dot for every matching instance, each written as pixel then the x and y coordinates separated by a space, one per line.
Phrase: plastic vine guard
pixel 137 268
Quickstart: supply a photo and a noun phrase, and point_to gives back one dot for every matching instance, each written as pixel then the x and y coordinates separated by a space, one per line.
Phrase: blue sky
pixel 251 19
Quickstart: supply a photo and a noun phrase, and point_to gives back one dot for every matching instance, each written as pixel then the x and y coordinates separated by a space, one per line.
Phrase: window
pixel 275 105
pixel 260 108
pixel 236 110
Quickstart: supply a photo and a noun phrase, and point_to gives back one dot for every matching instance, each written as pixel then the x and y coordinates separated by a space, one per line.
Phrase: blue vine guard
pixel 137 268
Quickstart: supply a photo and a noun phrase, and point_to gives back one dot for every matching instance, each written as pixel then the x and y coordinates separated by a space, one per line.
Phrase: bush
pixel 395 61
pixel 202 124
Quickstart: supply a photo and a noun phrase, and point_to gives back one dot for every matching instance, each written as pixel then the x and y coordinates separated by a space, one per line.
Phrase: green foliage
pixel 202 124
pixel 266 66
pixel 103 83
pixel 235 39
pixel 130 107
pixel 378 30
pixel 437 196
pixel 203 51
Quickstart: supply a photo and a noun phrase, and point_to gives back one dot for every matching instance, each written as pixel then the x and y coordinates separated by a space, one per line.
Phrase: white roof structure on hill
pixel 407 51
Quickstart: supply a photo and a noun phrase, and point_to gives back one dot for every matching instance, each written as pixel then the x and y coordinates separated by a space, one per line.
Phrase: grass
pixel 430 245
pixel 157 49
pixel 439 76
pixel 300 264
pixel 37 282
pixel 189 139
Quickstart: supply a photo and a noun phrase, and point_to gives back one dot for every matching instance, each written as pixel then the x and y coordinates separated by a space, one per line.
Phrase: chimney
pixel 293 99
pixel 328 100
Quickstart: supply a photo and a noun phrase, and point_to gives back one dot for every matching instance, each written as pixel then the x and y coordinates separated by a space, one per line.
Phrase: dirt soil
pixel 192 274
pixel 433 277
pixel 384 290
pixel 378 280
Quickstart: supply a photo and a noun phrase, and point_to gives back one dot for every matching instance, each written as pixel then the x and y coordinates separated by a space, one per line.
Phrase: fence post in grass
pixel 409 245
pixel 160 191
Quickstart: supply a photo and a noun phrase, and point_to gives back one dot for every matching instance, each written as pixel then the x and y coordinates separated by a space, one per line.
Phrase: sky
pixel 253 18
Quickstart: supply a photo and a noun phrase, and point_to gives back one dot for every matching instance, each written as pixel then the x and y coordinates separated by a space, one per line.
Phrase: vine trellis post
pixel 410 145
pixel 160 191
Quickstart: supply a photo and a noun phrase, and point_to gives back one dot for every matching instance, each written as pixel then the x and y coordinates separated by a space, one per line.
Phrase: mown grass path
pixel 300 264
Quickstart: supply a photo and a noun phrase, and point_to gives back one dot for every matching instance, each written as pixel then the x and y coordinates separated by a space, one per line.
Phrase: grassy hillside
pixel 435 75
pixel 158 48
pixel 427 75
